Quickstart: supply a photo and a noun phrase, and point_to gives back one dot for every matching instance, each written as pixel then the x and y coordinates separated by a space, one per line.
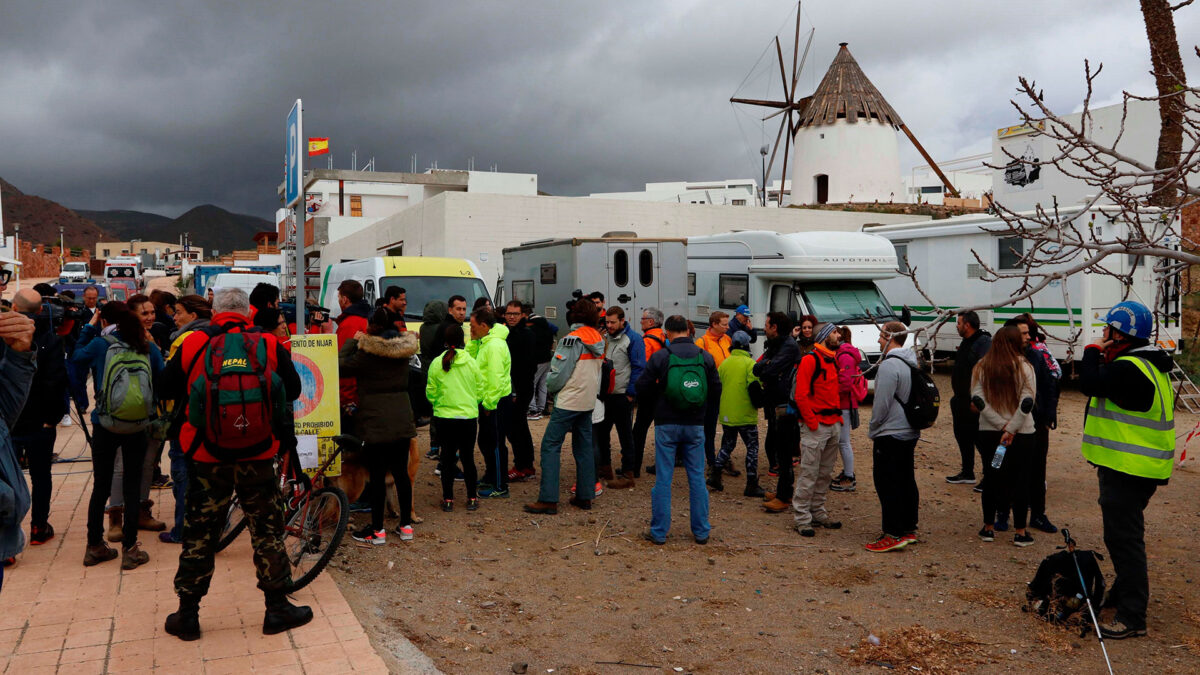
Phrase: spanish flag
pixel 318 146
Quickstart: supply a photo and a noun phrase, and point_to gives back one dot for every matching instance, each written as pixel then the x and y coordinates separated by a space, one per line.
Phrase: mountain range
pixel 208 226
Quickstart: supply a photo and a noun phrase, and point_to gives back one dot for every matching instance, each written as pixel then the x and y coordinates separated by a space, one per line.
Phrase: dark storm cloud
pixel 162 106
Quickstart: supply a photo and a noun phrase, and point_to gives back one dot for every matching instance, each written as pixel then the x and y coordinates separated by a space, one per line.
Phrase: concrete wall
pixel 713 192
pixel 502 183
pixel 479 226
pixel 862 161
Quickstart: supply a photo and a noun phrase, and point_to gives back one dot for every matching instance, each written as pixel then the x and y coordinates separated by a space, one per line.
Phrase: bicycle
pixel 315 520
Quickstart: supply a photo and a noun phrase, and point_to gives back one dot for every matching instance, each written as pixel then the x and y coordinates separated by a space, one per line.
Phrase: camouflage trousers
pixel 210 487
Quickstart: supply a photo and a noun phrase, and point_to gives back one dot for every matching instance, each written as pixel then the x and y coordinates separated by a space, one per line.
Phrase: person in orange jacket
pixel 717 344
pixel 355 312
pixel 817 400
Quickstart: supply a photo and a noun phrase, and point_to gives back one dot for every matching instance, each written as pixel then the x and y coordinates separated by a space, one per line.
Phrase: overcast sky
pixel 163 106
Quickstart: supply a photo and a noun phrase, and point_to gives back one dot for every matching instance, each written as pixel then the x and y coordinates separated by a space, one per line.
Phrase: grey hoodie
pixel 893 381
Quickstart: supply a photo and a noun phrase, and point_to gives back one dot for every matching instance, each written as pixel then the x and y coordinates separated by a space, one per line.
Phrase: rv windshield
pixel 846 302
pixel 420 290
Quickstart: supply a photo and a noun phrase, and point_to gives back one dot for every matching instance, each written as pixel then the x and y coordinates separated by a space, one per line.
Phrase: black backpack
pixel 921 408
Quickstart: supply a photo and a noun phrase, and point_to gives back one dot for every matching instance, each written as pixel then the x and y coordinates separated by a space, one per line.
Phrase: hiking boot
pixel 843 483
pixel 961 478
pixel 370 536
pixel 714 479
pixel 730 471
pixel 753 489
pixel 184 623
pixel 650 538
pixel 885 543
pixel 828 524
pixel 1118 629
pixel 134 557
pixel 40 534
pixel 282 615
pixel 605 472
pixel 624 482
pixel 94 555
pixel 585 504
pixel 806 530
pixel 148 522
pixel 1043 523
pixel 776 506
pixel 768 496
pixel 700 540
pixel 987 535
pixel 547 508
pixel 116 521
pixel 1022 540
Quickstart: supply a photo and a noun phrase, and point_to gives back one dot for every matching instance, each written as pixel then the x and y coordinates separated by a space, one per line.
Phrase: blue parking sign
pixel 293 157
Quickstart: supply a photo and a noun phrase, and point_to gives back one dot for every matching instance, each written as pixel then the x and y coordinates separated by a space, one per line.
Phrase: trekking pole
pixel 1087 597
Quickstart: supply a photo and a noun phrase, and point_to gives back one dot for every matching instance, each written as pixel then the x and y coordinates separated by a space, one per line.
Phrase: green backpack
pixel 126 402
pixel 686 384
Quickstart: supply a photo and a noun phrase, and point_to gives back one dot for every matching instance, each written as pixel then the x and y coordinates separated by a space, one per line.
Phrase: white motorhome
pixel 632 273
pixel 831 275
pixel 244 280
pixel 940 251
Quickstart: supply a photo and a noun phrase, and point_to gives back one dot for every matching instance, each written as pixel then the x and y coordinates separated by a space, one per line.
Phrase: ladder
pixel 1186 391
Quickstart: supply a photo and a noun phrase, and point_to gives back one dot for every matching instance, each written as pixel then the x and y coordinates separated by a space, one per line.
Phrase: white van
pixel 830 275
pixel 423 279
pixel 74 272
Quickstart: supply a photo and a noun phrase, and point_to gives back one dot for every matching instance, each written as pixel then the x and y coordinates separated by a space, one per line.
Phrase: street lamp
pixel 763 151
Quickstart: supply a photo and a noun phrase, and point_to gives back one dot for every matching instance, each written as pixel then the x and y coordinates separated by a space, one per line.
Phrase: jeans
pixel 729 437
pixel 617 412
pixel 538 402
pixel 1123 501
pixel 966 428
pixel 458 442
pixel 382 458
pixel 896 484
pixel 517 430
pixel 105 447
pixel 579 424
pixel 847 449
pixel 38 447
pixel 671 440
pixel 492 434
pixel 149 464
pixel 1008 485
pixel 818 453
pixel 179 478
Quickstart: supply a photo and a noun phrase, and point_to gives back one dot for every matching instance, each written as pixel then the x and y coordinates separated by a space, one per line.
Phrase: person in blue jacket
pixel 17 365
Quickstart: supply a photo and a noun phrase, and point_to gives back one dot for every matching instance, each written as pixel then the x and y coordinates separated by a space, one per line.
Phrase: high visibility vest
pixel 1132 442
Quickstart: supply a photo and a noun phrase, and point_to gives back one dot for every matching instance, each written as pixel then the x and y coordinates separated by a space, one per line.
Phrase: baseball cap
pixel 742 309
pixel 740 340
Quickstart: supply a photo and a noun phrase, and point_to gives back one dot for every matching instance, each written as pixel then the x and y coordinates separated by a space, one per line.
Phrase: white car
pixel 74 273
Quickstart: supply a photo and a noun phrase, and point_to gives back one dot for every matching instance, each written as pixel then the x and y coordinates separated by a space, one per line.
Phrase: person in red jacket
pixel 818 402
pixel 355 313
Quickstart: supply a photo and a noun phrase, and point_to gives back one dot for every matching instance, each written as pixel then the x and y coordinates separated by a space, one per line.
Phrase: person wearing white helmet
pixel 1129 436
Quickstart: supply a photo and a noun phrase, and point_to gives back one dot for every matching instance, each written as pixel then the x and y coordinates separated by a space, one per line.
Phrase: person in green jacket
pixel 454 389
pixel 740 388
pixel 489 346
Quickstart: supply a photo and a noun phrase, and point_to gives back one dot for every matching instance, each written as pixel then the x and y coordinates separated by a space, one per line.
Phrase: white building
pixel 969 175
pixel 733 192
pixel 480 226
pixel 847 146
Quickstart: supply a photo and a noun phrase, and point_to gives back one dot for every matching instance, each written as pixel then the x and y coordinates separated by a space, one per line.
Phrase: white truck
pixel 632 273
pixel 831 275
pixel 940 251
pixel 74 273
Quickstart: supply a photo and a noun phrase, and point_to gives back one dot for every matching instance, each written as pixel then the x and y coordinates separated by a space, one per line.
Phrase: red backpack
pixel 236 403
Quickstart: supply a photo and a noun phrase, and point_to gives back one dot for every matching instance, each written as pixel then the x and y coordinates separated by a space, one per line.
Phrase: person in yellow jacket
pixel 489 346
pixel 454 389
pixel 717 344
pixel 741 397
pixel 1129 436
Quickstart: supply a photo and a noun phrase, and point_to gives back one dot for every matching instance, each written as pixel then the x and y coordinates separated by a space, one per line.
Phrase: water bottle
pixel 998 458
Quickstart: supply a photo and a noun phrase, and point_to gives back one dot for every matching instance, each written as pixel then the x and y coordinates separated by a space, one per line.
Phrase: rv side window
pixel 781 300
pixel 549 273
pixel 621 268
pixel 1011 249
pixel 691 283
pixel 646 267
pixel 369 291
pixel 523 291
pixel 732 289
pixel 902 258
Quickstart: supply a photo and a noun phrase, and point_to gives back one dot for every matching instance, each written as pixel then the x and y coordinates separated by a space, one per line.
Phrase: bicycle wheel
pixel 314 531
pixel 235 522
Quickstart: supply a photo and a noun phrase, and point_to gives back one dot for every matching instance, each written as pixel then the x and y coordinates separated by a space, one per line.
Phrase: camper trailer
pixel 632 273
pixel 940 252
pixel 831 275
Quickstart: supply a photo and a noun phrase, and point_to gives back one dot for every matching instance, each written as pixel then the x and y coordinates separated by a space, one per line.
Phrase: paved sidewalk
pixel 58 616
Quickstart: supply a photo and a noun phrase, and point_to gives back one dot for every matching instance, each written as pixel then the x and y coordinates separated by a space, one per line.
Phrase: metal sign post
pixel 293 198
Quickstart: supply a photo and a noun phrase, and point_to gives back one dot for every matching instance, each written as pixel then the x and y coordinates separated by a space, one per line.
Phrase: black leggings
pixel 105 445
pixel 458 441
pixel 1010 483
pixel 38 448
pixel 382 458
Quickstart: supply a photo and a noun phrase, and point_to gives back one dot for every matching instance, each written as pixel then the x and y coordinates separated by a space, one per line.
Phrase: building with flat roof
pixel 733 192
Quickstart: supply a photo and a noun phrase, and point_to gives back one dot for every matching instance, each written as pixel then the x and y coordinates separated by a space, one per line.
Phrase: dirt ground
pixel 479 592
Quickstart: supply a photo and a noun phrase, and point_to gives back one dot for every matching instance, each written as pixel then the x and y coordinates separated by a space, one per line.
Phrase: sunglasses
pixel 5 277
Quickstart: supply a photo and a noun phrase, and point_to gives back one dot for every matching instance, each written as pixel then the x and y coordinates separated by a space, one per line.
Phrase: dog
pixel 354 478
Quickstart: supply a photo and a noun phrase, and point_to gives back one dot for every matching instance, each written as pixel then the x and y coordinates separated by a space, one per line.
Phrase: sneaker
pixel 434 454
pixel 360 506
pixel 1002 523
pixel 162 483
pixel 40 534
pixel 460 476
pixel 1022 540
pixel 497 494
pixel 773 472
pixel 1118 629
pixel 437 471
pixel 405 532
pixel 885 543
pixel 473 504
pixel 533 417
pixel 484 490
pixel 66 420
pixel 910 538
pixel 599 489
pixel 961 478
pixel 447 505
pixel 516 476
pixel 1043 523
pixel 700 540
pixel 484 485
pixel 987 535
pixel 977 488
pixel 168 538
pixel 529 473
pixel 844 483
pixel 369 536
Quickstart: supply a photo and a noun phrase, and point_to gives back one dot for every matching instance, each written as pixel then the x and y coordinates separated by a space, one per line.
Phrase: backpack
pixel 237 401
pixel 686 382
pixel 126 402
pixel 921 408
pixel 818 373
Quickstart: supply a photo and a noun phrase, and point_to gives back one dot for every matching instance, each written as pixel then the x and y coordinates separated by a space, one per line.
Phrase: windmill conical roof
pixel 846 93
